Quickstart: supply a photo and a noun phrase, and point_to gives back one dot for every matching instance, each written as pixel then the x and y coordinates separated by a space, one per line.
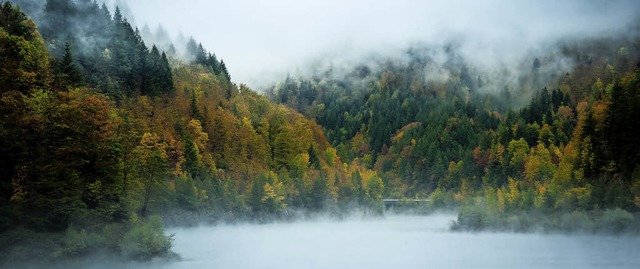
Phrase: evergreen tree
pixel 622 130
pixel 166 75
pixel 536 64
pixel 68 73
pixel 14 22
pixel 201 55
pixel 224 72
pixel 319 194
pixel 58 15
pixel 195 111
pixel 117 16
pixel 192 49
pixel 314 158
pixel 213 63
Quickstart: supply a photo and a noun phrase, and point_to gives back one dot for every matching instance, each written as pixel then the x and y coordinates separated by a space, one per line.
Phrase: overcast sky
pixel 261 41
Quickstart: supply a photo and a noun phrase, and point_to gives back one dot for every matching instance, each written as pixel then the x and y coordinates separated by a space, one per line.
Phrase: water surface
pixel 393 242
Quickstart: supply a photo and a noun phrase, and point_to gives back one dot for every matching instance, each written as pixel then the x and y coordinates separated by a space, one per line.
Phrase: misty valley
pixel 456 141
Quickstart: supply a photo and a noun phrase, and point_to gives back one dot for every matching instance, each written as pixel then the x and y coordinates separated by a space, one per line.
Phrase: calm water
pixel 394 242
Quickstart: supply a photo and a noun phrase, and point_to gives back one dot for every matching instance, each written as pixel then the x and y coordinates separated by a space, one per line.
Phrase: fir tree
pixel 224 72
pixel 68 73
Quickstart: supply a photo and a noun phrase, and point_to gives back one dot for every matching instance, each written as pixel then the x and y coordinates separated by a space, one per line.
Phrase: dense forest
pixel 103 140
pixel 105 137
pixel 552 141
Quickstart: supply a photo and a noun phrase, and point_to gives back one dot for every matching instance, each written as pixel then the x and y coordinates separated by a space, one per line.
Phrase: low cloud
pixel 262 41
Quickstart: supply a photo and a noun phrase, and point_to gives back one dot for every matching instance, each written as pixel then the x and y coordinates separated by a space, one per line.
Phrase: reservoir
pixel 392 242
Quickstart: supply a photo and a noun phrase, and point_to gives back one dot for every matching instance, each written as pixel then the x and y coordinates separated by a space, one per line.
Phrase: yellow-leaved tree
pixel 152 167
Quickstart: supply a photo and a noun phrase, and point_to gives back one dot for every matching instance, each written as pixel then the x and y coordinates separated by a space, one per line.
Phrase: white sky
pixel 261 41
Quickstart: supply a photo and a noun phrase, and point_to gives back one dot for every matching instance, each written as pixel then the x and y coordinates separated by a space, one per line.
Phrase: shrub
pixel 472 218
pixel 521 223
pixel 73 243
pixel 442 199
pixel 575 221
pixel 616 221
pixel 146 240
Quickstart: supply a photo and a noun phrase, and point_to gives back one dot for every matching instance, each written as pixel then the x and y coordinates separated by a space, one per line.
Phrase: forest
pixel 103 139
pixel 106 138
pixel 549 149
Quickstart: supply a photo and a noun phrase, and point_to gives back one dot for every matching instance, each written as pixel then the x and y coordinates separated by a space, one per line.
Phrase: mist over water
pixel 391 242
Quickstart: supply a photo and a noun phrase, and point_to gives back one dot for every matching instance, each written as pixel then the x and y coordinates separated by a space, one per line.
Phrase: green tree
pixel 152 166
pixel 68 74
pixel 621 129
pixel 320 194
pixel 126 140
pixel 273 200
pixel 195 111
pixel 166 77
pixel 23 55
pixel 517 151
pixel 257 193
pixel 71 170
pixel 314 157
pixel 375 190
pixel 225 73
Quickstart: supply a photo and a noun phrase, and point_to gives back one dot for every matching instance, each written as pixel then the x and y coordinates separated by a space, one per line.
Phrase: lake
pixel 391 242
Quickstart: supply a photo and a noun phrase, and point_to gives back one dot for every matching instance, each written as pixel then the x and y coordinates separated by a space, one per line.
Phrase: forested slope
pixel 545 138
pixel 103 135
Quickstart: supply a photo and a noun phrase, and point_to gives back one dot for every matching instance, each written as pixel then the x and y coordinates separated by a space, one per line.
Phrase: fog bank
pixel 261 41
pixel 391 242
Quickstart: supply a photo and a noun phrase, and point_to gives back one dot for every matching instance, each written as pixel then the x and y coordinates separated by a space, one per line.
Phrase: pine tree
pixel 213 63
pixel 320 193
pixel 201 55
pixel 12 21
pixel 536 64
pixel 224 72
pixel 117 16
pixel 68 73
pixel 153 70
pixel 192 49
pixel 166 76
pixel 57 14
pixel 195 111
pixel 314 158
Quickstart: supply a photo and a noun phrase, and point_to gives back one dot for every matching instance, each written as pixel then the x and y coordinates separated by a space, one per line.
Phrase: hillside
pixel 547 138
pixel 104 139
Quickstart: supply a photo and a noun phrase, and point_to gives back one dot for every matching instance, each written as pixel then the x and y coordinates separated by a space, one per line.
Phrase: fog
pixel 391 242
pixel 262 41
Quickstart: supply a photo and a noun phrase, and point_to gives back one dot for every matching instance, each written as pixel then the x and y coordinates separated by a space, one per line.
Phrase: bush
pixel 522 223
pixel 146 240
pixel 471 218
pixel 23 245
pixel 575 221
pixel 616 221
pixel 442 199
pixel 73 243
